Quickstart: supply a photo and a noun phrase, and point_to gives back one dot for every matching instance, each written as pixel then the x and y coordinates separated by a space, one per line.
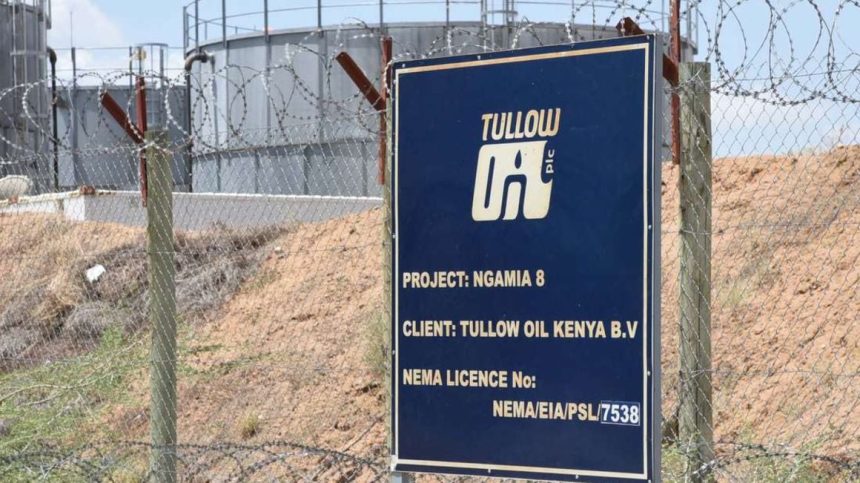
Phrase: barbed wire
pixel 110 461
pixel 277 220
pixel 771 64
pixel 115 461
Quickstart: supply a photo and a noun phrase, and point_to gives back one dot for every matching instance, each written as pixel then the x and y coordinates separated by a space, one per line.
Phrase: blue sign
pixel 526 278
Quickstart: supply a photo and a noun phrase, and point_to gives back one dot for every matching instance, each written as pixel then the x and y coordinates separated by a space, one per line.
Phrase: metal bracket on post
pixel 358 77
pixel 140 101
pixel 627 26
pixel 121 118
pixel 136 132
pixel 377 100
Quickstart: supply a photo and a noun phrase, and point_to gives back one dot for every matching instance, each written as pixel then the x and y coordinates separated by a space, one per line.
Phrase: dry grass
pixel 250 425
pixel 50 310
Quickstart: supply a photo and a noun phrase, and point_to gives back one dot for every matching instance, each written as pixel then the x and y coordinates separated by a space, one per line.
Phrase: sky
pixel 120 23
pixel 115 23
pixel 91 25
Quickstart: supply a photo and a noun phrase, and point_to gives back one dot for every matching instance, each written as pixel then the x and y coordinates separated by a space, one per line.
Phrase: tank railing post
pixel 197 25
pixel 447 14
pixel 189 153
pixel 256 170
pixel 695 37
pixel 306 168
pixel 365 188
pixel 448 25
pixel 226 46
pixel 268 68
pixel 138 52
pixel 130 67
pixel 266 22
pixel 484 29
pixel 216 126
pixel 73 116
pixel 52 58
pixel 224 23
pixel 161 51
pixel 663 16
pixel 689 36
pixel 184 29
pixel 322 52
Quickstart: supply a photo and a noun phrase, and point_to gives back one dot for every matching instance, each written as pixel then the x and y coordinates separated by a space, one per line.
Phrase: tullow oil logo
pixel 515 167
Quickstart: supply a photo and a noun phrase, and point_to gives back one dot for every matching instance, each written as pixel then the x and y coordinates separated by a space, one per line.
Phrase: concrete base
pixel 194 211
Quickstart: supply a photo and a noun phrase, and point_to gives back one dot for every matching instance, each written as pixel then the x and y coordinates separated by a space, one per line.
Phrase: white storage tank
pixel 272 112
pixel 24 94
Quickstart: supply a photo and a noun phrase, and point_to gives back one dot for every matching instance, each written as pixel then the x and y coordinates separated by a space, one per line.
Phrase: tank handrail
pixel 194 22
pixel 394 3
pixel 117 48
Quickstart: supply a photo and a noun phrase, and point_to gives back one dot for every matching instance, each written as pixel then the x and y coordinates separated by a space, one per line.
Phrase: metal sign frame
pixel 652 95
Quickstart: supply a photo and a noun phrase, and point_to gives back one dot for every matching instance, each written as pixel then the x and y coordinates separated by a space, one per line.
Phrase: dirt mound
pixel 785 332
pixel 785 301
pixel 292 352
pixel 287 356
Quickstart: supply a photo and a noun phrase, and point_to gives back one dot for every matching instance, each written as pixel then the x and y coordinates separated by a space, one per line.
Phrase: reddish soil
pixel 785 324
pixel 289 355
pixel 785 301
pixel 290 348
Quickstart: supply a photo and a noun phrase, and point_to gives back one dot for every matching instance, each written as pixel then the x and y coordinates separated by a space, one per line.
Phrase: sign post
pixel 525 269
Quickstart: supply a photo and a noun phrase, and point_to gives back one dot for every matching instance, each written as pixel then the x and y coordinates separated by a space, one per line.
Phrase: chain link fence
pixel 273 243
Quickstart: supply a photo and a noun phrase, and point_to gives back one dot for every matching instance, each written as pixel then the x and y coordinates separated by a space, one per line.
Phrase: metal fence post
pixel 386 176
pixel 387 253
pixel 398 477
pixel 695 416
pixel 162 309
